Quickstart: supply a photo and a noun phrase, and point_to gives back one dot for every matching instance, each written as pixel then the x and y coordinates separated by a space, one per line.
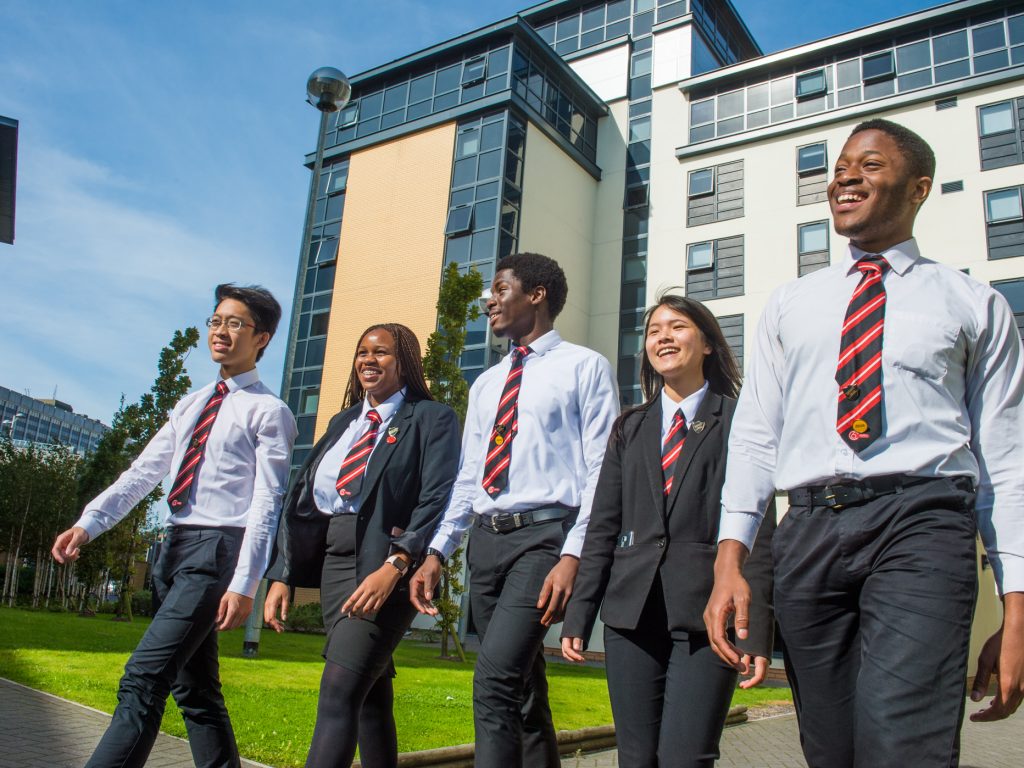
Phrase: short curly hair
pixel 533 269
pixel 919 156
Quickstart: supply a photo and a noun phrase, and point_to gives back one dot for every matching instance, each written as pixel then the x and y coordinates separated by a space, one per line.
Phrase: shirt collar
pixel 689 404
pixel 242 380
pixel 545 343
pixel 901 256
pixel 386 409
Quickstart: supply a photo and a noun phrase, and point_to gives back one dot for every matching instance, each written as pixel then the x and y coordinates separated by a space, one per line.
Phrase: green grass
pixel 273 699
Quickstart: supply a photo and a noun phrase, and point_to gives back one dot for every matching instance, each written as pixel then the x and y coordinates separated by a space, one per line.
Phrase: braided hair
pixel 410 365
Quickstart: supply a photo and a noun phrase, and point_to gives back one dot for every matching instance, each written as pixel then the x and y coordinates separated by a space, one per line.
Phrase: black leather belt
pixel 848 492
pixel 504 522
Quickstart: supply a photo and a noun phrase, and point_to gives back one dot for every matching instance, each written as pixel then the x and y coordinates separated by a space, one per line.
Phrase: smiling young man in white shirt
pixel 884 394
pixel 229 445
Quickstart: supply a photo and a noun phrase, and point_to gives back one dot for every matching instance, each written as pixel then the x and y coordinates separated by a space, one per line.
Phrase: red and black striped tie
pixel 350 476
pixel 185 479
pixel 506 424
pixel 673 446
pixel 859 373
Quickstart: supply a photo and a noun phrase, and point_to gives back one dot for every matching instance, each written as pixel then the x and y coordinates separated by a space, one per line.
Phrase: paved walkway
pixel 38 730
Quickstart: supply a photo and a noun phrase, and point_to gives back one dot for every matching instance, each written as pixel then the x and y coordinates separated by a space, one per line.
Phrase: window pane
pixel 730 104
pixel 811 158
pixel 1016 24
pixel 989 37
pixel 1003 205
pixel 568 27
pixel 877 67
pixel 394 97
pixel 990 61
pixel 813 238
pixel 593 18
pixel 474 70
pixel 757 96
pixel 700 256
pixel 447 79
pixel 702 112
pixel 996 118
pixel 641 64
pixel 848 73
pixel 460 220
pixel 318 324
pixel 639 129
pixel 810 84
pixel 782 90
pixel 468 143
pixel 950 47
pixel 913 56
pixel 702 182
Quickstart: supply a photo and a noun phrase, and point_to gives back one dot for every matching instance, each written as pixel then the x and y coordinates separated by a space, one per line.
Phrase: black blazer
pixel 674 537
pixel 405 491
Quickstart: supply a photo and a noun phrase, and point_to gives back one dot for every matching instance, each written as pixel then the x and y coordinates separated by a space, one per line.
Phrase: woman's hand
pixel 572 649
pixel 372 592
pixel 276 603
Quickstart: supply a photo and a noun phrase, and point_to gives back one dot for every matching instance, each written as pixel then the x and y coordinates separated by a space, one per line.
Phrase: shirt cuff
pixel 573 546
pixel 1008 570
pixel 740 526
pixel 244 586
pixel 444 545
pixel 89 524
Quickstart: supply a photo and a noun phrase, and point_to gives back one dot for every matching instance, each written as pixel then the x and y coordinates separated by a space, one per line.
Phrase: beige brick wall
pixel 391 249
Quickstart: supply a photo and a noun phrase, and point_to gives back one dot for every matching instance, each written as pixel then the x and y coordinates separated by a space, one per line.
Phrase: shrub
pixel 305 618
pixel 142 603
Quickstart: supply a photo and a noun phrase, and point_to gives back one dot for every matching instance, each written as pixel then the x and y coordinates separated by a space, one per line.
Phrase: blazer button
pixel 661 541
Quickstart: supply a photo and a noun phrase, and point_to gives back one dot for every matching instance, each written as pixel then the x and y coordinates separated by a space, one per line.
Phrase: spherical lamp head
pixel 328 89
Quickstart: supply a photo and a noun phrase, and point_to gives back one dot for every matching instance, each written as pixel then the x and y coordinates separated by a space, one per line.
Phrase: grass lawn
pixel 272 699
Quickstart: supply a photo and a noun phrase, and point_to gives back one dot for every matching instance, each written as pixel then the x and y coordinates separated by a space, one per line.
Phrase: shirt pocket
pixel 920 345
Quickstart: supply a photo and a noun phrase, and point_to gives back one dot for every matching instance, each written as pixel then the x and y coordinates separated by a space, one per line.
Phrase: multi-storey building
pixel 8 176
pixel 25 420
pixel 644 144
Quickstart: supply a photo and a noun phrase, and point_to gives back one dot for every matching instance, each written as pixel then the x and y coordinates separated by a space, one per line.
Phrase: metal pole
pixel 253 625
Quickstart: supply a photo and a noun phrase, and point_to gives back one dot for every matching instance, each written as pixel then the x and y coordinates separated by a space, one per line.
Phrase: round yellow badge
pixel 498 439
pixel 860 426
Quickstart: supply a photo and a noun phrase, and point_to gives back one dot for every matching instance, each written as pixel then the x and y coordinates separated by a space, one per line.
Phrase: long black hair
pixel 719 367
pixel 410 365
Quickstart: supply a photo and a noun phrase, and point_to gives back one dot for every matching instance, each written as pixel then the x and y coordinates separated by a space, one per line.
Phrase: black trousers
pixel 178 655
pixel 670 695
pixel 874 603
pixel 511 714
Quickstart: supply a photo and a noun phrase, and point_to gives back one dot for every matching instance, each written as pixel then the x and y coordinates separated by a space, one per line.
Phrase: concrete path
pixel 38 730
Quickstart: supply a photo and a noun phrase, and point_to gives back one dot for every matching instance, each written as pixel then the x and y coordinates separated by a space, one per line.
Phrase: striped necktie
pixel 185 479
pixel 673 446
pixel 506 424
pixel 859 373
pixel 350 476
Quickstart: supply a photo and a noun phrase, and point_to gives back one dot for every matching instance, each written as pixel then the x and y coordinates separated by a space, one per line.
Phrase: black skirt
pixel 362 645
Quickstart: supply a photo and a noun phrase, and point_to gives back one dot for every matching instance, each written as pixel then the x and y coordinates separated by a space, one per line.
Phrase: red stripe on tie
pixel 863 372
pixel 870 335
pixel 498 468
pixel 671 456
pixel 862 409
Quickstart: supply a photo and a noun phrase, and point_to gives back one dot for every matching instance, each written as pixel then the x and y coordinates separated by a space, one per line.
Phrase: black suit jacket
pixel 674 537
pixel 405 490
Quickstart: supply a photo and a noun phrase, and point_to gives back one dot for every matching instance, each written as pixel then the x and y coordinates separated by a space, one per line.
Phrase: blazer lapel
pixel 703 424
pixel 308 469
pixel 649 436
pixel 397 429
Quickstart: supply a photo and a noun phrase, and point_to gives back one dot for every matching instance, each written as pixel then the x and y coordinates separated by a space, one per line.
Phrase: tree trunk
pixel 8 567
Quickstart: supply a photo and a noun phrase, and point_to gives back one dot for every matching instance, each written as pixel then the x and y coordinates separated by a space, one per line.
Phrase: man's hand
pixel 731 594
pixel 68 545
pixel 557 590
pixel 758 673
pixel 1003 655
pixel 572 649
pixel 372 592
pixel 233 611
pixel 275 608
pixel 424 581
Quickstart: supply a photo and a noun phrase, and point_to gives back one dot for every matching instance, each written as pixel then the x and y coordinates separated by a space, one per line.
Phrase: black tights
pixel 353 708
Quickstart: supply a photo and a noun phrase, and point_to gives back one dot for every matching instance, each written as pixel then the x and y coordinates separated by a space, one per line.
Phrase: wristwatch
pixel 436 553
pixel 400 563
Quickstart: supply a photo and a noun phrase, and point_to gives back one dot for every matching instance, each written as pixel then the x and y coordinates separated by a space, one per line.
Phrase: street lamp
pixel 329 90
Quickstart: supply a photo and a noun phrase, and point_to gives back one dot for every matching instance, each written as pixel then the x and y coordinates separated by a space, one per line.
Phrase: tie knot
pixel 872 264
pixel 678 418
pixel 373 416
pixel 518 353
pixel 222 388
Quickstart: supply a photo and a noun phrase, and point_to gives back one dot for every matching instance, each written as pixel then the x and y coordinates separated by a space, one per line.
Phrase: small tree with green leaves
pixel 456 306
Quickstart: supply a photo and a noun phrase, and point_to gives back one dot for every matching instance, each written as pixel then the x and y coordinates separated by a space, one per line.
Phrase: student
pixel 650 548
pixel 229 445
pixel 356 519
pixel 535 434
pixel 884 394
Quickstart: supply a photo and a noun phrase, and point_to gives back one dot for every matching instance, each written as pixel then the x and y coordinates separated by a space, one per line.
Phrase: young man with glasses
pixel 229 445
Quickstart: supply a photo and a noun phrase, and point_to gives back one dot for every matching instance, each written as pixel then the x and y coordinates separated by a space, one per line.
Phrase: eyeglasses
pixel 232 323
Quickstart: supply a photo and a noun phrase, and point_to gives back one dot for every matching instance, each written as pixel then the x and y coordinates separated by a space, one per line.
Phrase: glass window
pixel 913 56
pixel 757 96
pixel 568 27
pixel 812 238
pixel 421 88
pixel 988 38
pixel 702 112
pixel 318 324
pixel 339 180
pixel 950 47
pixel 447 79
pixel 848 73
pixel 701 182
pixel 1003 205
pixel 730 104
pixel 593 18
pixel 485 214
pixel 370 106
pixel 349 115
pixel 309 401
pixel 395 97
pixel 811 84
pixel 490 165
pixel 474 70
pixel 700 256
pixel 618 9
pixel 782 90
pixel 996 118
pixel 468 143
pixel 636 196
pixel 813 157
pixel 877 67
pixel 639 129
pixel 460 220
pixel 641 64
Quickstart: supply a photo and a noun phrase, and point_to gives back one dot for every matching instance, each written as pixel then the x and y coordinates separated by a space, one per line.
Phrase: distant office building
pixel 644 144
pixel 25 419
pixel 8 176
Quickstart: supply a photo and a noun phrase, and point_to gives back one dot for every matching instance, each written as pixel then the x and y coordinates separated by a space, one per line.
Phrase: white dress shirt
pixel 240 481
pixel 567 403
pixel 325 481
pixel 952 378
pixel 690 405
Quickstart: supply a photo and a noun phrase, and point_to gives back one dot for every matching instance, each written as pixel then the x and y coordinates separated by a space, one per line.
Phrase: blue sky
pixel 160 153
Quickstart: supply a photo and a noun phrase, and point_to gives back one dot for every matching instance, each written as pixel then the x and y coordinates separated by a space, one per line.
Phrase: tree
pixel 132 428
pixel 456 306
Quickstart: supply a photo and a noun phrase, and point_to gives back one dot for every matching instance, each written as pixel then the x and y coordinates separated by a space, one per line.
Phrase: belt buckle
pixel 517 520
pixel 501 522
pixel 830 498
